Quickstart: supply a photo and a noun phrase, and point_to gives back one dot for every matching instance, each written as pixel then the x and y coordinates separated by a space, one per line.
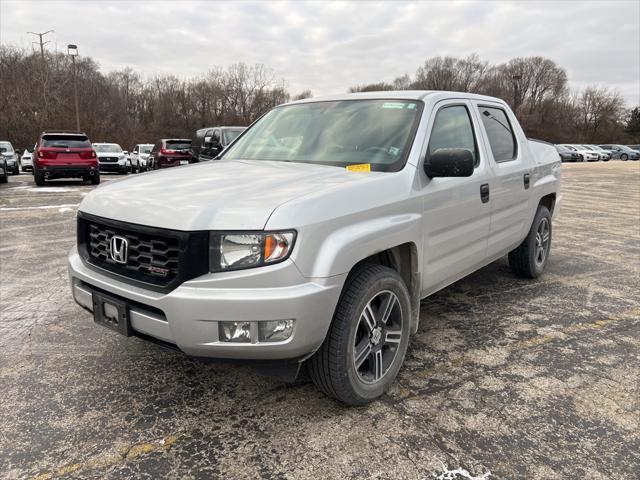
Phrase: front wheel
pixel 367 341
pixel 530 258
pixel 624 157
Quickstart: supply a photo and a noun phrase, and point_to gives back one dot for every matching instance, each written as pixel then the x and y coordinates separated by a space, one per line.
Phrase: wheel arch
pixel 404 260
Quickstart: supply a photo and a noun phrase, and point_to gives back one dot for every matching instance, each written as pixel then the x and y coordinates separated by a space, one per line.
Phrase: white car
pixel 585 155
pixel 140 157
pixel 26 161
pixel 111 158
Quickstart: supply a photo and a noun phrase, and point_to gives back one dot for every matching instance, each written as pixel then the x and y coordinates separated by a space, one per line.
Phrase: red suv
pixel 170 152
pixel 64 155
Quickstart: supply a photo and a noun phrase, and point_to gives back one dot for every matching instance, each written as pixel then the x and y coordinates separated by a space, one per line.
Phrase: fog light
pixel 275 330
pixel 237 332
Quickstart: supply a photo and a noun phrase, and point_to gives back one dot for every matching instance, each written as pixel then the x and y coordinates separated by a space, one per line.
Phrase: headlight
pixel 235 251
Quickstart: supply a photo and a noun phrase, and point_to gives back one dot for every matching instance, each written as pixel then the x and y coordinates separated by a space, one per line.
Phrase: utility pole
pixel 40 42
pixel 72 51
pixel 516 91
pixel 44 117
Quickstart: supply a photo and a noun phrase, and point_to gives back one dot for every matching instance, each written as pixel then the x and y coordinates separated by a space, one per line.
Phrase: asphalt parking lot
pixel 523 379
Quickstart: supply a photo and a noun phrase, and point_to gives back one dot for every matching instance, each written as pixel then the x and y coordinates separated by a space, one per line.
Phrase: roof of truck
pixel 396 94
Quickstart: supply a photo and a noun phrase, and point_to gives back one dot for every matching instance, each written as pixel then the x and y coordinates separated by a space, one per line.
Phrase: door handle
pixel 484 192
pixel 527 180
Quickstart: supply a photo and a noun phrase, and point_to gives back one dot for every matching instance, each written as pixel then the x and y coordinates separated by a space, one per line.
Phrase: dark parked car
pixel 209 142
pixel 567 155
pixel 64 155
pixel 170 152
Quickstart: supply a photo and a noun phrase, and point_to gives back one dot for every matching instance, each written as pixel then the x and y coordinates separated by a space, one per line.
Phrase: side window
pixel 216 136
pixel 452 128
pixel 501 137
pixel 208 133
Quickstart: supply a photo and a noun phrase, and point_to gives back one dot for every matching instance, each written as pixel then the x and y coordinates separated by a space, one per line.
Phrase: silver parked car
pixel 318 232
pixel 621 152
pixel 10 157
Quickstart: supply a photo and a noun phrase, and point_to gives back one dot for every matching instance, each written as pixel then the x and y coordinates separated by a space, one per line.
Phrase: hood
pixel 218 195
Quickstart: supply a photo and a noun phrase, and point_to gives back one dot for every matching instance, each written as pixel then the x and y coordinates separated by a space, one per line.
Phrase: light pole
pixel 72 51
pixel 516 91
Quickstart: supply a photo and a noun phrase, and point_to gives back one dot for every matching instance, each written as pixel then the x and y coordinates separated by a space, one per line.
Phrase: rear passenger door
pixel 456 212
pixel 510 191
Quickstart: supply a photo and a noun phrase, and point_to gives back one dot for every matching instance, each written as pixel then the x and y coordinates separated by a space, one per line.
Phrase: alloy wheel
pixel 378 336
pixel 543 236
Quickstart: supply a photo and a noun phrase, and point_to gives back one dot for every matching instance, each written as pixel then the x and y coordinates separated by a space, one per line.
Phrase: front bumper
pixel 113 167
pixel 188 316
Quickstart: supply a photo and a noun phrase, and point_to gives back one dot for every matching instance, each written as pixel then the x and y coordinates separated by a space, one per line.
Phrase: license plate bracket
pixel 112 313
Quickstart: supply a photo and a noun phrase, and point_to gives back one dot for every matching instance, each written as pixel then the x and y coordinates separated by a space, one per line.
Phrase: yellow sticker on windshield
pixel 360 167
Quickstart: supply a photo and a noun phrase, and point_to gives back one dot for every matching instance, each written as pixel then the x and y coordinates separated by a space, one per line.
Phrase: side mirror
pixel 449 162
pixel 207 140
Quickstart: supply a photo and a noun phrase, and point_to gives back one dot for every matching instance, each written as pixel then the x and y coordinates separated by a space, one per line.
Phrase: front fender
pixel 348 244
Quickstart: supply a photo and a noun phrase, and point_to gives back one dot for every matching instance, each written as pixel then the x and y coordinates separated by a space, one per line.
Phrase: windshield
pixel 231 135
pixel 145 148
pixel 107 148
pixel 66 141
pixel 339 133
pixel 178 145
pixel 6 147
pixel 562 149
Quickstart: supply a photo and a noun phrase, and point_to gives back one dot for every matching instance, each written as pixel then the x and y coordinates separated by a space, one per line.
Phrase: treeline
pixel 36 93
pixel 537 89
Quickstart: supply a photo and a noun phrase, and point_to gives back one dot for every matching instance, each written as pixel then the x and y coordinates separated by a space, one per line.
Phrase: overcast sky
pixel 327 47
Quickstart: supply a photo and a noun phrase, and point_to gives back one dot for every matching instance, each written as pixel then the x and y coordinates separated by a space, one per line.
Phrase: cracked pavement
pixel 524 379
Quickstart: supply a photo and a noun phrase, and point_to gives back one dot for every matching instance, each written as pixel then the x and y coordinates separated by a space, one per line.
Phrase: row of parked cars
pixel 61 154
pixel 594 153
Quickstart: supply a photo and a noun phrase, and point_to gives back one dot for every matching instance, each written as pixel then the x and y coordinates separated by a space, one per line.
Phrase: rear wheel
pixel 38 177
pixel 95 180
pixel 530 258
pixel 367 341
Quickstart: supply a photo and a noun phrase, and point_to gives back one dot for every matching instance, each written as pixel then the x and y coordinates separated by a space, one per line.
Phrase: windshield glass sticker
pixel 360 167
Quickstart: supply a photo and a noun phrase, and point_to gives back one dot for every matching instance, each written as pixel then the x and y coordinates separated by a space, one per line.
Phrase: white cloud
pixel 329 46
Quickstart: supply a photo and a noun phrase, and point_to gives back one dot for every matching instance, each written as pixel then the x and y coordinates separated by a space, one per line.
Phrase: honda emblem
pixel 118 247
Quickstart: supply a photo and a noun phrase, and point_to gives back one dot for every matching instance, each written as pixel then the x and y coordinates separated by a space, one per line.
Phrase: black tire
pixel 333 367
pixel 530 259
pixel 95 180
pixel 4 178
pixel 38 176
pixel 624 157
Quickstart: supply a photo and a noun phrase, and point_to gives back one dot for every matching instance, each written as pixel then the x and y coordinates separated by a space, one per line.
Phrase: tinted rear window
pixel 66 141
pixel 178 145
pixel 501 138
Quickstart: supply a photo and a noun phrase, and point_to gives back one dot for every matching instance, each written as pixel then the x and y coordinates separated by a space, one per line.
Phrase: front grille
pixel 108 159
pixel 145 254
pixel 159 259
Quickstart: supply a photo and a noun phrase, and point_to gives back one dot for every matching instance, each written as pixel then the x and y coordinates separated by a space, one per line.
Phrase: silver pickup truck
pixel 315 236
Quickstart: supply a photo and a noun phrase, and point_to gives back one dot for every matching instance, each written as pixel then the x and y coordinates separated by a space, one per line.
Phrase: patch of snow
pixel 41 207
pixel 460 474
pixel 66 209
pixel 52 189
